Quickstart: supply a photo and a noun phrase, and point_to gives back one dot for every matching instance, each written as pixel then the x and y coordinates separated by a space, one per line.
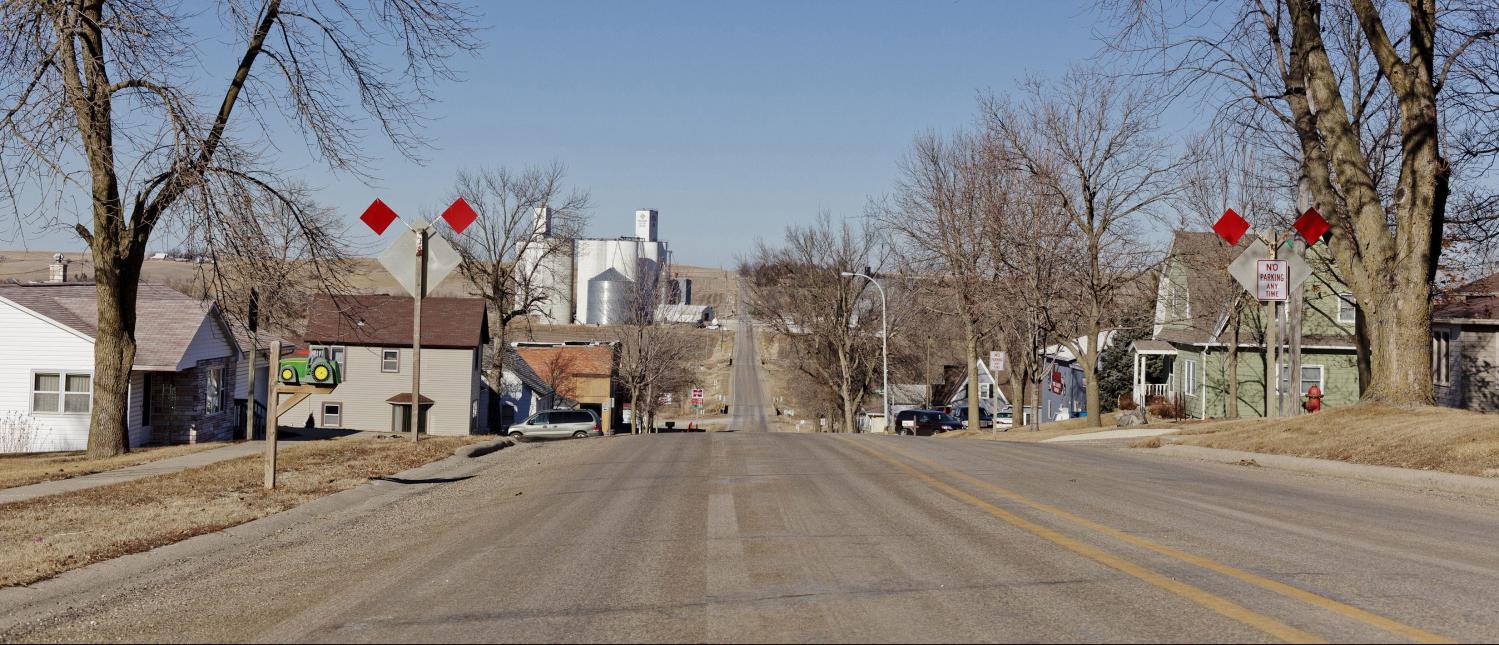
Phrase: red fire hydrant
pixel 1313 399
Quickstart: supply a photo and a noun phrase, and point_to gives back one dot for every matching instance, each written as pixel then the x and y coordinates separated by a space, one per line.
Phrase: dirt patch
pixel 49 535
pixel 1429 438
pixel 25 469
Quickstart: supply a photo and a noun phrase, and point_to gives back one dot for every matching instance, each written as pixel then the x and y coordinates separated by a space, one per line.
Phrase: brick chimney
pixel 58 270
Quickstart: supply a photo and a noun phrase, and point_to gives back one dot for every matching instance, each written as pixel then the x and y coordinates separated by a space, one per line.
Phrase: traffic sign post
pixel 1272 280
pixel 416 259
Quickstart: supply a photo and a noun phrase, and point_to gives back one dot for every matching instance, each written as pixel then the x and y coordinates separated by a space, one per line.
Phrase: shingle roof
pixel 1472 307
pixel 523 371
pixel 385 321
pixel 166 320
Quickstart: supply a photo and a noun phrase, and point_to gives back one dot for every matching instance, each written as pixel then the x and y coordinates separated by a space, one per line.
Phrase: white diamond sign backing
pixel 400 259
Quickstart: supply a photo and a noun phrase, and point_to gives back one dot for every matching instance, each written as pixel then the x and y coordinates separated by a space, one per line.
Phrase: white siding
pixel 448 378
pixel 209 343
pixel 31 343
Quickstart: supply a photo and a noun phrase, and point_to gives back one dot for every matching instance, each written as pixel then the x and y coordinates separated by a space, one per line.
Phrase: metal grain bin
pixel 610 295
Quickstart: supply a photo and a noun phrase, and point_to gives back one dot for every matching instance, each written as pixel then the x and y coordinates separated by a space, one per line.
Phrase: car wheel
pixel 581 434
pixel 517 436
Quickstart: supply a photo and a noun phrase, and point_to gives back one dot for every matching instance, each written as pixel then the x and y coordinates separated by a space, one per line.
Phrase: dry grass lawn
pixel 49 535
pixel 1455 441
pixel 31 468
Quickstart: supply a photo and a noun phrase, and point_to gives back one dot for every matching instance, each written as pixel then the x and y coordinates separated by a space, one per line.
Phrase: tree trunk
pixel 1089 361
pixel 972 347
pixel 116 281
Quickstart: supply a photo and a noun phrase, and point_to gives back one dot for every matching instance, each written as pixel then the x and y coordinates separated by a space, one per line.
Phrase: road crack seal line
pixel 1216 603
pixel 1361 615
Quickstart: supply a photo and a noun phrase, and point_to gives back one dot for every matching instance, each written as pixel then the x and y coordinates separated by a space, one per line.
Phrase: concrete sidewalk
pixel 130 473
pixel 1111 435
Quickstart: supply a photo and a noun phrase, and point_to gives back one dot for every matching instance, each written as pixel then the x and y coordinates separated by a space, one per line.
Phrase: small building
pixel 522 392
pixel 369 337
pixel 181 383
pixel 1193 330
pixel 582 372
pixel 698 315
pixel 1465 347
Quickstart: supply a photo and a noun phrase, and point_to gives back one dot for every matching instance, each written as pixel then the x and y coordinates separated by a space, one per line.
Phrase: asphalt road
pixel 748 407
pixel 801 537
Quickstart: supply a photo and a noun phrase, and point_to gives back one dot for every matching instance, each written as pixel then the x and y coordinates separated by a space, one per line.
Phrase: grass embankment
pixel 49 535
pixel 1443 439
pixel 32 468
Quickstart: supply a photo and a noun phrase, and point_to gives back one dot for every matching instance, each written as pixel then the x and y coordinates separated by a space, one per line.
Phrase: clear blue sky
pixel 732 119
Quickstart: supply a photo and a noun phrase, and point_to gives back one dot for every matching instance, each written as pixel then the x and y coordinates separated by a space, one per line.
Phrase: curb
pixel 1424 479
pixel 481 449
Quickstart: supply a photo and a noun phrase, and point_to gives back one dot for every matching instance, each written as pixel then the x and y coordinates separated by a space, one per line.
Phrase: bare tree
pixel 510 255
pixel 948 215
pixel 654 357
pixel 828 319
pixel 1089 143
pixel 1364 96
pixel 103 98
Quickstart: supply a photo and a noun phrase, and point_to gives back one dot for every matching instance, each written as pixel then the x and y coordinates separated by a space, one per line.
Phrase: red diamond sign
pixel 459 215
pixel 1230 227
pixel 378 217
pixel 1311 226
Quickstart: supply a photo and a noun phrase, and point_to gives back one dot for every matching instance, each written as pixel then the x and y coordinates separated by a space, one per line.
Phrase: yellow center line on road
pixel 1367 617
pixel 1216 603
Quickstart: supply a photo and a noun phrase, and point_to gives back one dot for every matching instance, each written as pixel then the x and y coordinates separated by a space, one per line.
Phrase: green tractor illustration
pixel 315 370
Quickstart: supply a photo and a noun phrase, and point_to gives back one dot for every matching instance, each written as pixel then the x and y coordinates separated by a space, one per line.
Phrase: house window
pixel 1310 375
pixel 1191 378
pixel 1347 312
pixel 986 391
pixel 1439 356
pixel 333 415
pixel 390 361
pixel 61 393
pixel 214 389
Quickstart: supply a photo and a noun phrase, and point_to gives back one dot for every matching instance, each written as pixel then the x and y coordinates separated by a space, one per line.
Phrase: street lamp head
pixel 847 274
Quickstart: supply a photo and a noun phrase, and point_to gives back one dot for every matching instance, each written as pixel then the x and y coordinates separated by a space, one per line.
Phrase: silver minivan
pixel 558 424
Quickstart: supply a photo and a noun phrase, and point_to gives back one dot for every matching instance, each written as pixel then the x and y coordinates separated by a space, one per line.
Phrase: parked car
pixel 558 424
pixel 960 412
pixel 1006 419
pixel 924 423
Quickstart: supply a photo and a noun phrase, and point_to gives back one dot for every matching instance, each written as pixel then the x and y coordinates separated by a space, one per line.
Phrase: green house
pixel 1195 328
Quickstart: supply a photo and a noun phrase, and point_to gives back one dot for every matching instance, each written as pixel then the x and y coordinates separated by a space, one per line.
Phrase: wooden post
pixel 273 415
pixel 250 393
pixel 416 333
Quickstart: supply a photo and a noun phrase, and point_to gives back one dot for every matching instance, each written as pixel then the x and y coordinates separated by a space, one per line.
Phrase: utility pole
pixel 416 331
pixel 254 324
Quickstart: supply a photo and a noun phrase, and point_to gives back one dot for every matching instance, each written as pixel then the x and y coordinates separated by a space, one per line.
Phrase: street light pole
pixel 884 343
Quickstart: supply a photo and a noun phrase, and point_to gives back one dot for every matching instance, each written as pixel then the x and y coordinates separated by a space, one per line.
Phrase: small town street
pixel 773 537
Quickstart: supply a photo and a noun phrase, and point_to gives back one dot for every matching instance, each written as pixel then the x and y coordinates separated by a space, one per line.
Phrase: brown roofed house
pixel 369 336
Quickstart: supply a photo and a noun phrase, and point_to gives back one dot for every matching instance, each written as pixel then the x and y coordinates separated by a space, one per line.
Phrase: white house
pixel 181 383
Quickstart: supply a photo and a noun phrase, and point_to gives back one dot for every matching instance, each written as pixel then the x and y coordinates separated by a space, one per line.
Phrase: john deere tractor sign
pixel 316 370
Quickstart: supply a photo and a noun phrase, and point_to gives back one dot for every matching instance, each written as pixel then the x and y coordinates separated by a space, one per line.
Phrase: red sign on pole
pixel 1311 226
pixel 459 215
pixel 378 217
pixel 1230 227
pixel 697 396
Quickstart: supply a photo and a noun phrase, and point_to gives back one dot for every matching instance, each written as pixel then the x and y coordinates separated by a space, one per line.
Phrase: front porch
pixel 1153 365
